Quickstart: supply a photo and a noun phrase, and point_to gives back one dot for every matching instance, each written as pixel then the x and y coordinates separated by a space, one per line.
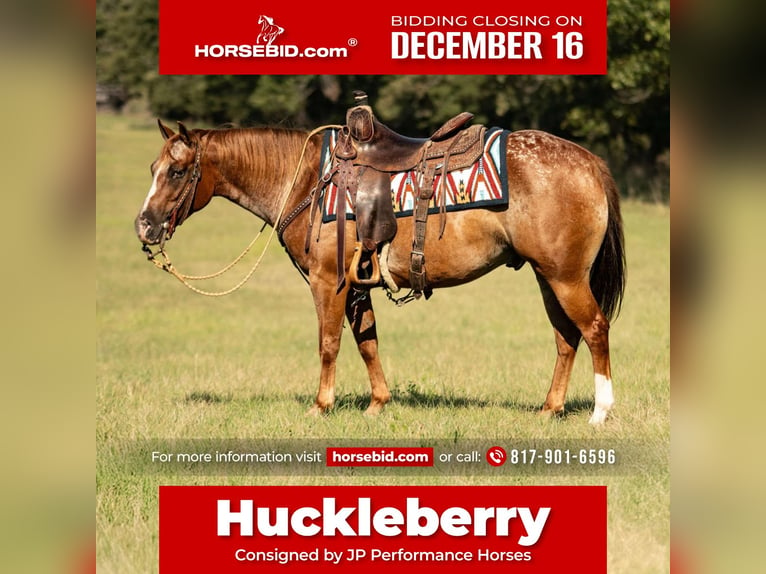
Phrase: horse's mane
pixel 255 148
pixel 229 135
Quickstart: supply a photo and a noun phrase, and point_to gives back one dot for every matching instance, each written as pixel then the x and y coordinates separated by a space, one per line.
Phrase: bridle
pixel 190 191
pixel 173 220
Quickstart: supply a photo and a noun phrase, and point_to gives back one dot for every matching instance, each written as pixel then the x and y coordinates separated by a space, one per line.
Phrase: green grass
pixel 473 362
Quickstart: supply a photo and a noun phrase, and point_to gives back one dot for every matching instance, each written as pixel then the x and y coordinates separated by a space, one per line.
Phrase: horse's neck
pixel 257 168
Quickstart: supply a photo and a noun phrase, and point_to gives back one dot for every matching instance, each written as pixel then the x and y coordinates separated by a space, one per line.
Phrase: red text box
pixel 374 529
pixel 447 37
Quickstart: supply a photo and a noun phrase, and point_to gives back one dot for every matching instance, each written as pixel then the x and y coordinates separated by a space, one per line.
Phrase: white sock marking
pixel 604 399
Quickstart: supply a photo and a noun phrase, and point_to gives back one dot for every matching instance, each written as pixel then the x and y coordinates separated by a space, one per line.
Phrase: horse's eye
pixel 176 173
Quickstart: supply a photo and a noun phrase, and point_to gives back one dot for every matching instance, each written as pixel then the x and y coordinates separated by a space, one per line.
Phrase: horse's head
pixel 178 186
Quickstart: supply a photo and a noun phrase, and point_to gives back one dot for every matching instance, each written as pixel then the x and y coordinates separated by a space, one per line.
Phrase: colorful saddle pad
pixel 483 184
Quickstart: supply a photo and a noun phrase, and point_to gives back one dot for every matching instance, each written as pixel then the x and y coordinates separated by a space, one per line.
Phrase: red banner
pixel 396 37
pixel 377 529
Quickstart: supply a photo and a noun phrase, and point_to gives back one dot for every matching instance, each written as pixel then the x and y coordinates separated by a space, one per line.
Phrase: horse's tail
pixel 607 277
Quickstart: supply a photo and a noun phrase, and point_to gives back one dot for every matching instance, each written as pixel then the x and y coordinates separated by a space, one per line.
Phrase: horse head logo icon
pixel 269 30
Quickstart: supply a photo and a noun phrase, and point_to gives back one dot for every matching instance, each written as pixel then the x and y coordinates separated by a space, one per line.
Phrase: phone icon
pixel 496 456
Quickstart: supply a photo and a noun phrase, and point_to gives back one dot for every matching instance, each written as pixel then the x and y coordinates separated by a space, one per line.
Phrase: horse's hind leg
pixel 567 339
pixel 577 301
pixel 362 320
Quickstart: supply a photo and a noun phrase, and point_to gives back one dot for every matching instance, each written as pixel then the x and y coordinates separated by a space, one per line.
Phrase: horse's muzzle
pixel 148 232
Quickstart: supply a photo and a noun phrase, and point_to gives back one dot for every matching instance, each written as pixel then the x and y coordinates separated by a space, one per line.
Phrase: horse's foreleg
pixel 362 320
pixel 329 306
pixel 567 339
pixel 577 301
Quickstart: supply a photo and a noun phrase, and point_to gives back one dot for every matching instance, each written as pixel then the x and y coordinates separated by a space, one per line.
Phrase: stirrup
pixel 353 272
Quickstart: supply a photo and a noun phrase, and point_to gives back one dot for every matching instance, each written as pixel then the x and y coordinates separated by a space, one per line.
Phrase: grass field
pixel 473 362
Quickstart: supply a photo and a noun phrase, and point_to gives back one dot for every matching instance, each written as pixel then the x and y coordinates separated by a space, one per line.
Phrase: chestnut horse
pixel 563 218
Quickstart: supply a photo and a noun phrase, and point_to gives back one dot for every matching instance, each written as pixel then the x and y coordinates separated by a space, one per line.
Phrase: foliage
pixel 126 44
pixel 623 116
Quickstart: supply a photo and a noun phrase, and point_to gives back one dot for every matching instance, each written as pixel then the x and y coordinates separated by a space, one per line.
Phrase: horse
pixel 563 219
pixel 269 30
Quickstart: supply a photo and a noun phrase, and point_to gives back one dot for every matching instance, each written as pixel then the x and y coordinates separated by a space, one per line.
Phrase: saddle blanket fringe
pixel 483 184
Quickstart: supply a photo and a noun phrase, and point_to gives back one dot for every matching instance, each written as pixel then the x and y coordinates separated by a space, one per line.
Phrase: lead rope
pixel 167 265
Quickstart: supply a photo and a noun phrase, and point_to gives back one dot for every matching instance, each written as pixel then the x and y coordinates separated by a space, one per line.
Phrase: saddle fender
pixel 375 220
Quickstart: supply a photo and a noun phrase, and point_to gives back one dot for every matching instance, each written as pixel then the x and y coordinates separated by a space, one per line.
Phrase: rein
pixel 169 226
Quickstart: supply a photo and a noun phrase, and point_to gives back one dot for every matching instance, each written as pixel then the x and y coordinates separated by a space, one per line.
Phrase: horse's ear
pixel 166 132
pixel 184 133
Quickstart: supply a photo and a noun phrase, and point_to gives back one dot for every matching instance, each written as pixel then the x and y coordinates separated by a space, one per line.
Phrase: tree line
pixel 623 116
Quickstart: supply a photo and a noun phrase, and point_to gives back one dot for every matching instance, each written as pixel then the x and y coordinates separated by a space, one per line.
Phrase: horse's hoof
pixel 549 413
pixel 315 411
pixel 373 410
pixel 598 418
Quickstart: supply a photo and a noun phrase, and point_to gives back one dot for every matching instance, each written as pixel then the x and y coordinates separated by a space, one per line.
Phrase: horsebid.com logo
pixel 264 46
pixel 269 30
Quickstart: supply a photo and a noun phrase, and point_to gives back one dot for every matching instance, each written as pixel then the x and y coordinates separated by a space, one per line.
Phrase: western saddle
pixel 366 154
